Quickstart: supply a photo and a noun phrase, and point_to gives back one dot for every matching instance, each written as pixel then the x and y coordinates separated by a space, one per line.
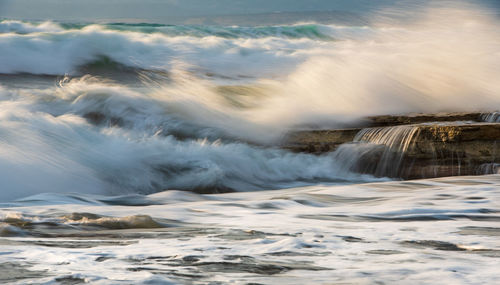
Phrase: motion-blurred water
pixel 108 116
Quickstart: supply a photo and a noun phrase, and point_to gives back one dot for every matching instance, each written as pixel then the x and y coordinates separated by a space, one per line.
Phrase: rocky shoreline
pixel 410 146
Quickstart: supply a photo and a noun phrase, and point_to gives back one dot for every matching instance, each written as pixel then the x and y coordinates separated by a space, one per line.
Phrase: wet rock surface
pixel 436 148
pixel 319 141
pixel 394 120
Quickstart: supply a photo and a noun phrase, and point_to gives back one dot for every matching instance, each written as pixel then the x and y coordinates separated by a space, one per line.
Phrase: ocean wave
pixel 59 53
pixel 385 51
pixel 63 48
pixel 189 131
pixel 292 31
pixel 13 26
pixel 46 137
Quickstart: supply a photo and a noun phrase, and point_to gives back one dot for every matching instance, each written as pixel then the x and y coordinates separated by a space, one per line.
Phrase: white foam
pixel 357 233
pixel 47 146
pixel 153 137
pixel 11 26
pixel 63 52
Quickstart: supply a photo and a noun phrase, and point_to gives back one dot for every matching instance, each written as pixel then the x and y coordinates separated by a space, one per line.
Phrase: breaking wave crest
pixel 208 102
pixel 144 143
pixel 424 65
pixel 297 31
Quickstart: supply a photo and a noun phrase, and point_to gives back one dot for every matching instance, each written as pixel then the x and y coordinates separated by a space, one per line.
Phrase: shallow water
pixel 407 232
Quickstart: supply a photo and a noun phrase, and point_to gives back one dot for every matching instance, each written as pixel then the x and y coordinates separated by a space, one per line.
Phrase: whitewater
pixel 150 153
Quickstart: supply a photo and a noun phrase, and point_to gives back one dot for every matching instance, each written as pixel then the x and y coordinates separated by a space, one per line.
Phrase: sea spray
pixel 125 109
pixel 206 109
pixel 61 150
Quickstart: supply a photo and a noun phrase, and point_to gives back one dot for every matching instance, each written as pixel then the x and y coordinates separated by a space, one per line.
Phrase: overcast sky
pixel 165 9
pixel 174 10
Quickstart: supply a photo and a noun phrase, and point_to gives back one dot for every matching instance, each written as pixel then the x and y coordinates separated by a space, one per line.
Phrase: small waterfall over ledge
pixel 423 150
pixel 410 146
pixel 379 151
pixel 493 117
pixel 489 168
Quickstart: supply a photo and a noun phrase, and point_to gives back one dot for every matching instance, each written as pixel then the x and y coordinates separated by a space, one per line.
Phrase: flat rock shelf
pixel 429 146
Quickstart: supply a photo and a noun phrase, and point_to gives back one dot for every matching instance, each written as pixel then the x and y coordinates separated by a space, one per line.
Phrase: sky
pixel 166 11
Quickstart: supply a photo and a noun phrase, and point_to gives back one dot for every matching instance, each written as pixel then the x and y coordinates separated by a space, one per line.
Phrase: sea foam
pixel 209 108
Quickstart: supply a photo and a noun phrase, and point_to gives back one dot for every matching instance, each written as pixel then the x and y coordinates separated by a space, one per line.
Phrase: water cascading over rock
pixel 378 151
pixel 412 151
pixel 493 117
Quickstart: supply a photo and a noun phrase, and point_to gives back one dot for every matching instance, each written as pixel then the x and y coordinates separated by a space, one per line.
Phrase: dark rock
pixel 395 120
pixel 97 118
pixel 433 149
pixel 435 244
pixel 453 150
pixel 319 141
